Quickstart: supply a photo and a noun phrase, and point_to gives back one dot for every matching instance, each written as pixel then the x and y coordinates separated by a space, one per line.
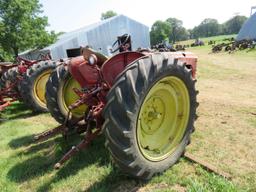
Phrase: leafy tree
pixel 160 32
pixel 233 25
pixel 207 28
pixel 22 27
pixel 178 32
pixel 108 14
pixel 4 56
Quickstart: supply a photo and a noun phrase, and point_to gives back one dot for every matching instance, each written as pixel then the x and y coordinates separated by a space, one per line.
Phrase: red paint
pixel 116 64
pixel 85 74
pixel 189 58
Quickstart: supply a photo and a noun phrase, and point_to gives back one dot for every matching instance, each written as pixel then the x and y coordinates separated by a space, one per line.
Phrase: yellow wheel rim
pixel 163 118
pixel 40 86
pixel 69 97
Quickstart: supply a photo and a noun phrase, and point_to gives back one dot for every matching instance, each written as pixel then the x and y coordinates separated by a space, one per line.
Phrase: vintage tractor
pixel 25 81
pixel 144 102
pixel 5 98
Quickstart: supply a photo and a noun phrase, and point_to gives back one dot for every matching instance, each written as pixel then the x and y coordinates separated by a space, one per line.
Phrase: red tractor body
pixel 90 75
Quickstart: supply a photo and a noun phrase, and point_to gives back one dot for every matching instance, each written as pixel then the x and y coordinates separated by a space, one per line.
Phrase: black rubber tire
pixel 27 84
pixel 53 91
pixel 10 76
pixel 122 109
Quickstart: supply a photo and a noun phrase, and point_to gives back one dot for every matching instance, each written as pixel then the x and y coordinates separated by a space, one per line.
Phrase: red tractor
pixel 25 81
pixel 143 101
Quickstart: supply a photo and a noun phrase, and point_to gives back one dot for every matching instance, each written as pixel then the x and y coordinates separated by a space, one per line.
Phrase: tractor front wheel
pixel 32 87
pixel 150 115
pixel 60 94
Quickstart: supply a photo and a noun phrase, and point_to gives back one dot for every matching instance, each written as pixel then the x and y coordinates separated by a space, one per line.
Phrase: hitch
pixel 64 128
pixel 88 137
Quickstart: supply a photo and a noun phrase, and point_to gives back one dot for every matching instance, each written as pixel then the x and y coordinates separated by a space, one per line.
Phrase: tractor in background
pixel 25 80
pixel 143 101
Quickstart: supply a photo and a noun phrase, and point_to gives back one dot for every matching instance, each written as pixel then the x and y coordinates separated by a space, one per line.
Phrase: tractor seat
pixel 86 52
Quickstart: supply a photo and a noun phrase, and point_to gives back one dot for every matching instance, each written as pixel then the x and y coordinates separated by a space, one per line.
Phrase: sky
pixel 68 15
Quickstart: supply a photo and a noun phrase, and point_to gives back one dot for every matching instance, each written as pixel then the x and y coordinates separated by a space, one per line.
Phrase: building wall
pixel 248 30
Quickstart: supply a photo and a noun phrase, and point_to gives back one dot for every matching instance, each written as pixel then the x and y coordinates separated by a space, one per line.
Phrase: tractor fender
pixel 116 65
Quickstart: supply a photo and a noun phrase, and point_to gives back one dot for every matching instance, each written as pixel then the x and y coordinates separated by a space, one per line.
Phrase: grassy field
pixel 224 137
pixel 217 39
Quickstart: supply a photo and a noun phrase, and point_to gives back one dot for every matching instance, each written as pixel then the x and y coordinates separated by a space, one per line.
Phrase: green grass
pixel 28 166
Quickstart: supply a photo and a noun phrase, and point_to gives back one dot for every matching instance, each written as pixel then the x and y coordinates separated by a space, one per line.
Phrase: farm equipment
pixel 144 102
pixel 233 45
pixel 4 67
pixel 25 80
pixel 163 47
pixel 197 42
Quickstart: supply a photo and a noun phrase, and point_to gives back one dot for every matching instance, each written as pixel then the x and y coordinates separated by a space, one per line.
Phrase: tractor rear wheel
pixel 150 115
pixel 32 87
pixel 9 77
pixel 60 94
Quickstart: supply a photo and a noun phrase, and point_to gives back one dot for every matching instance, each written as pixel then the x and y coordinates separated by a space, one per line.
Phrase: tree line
pixel 172 29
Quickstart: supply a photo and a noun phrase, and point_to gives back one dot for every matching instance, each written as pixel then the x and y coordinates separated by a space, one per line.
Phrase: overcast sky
pixel 68 15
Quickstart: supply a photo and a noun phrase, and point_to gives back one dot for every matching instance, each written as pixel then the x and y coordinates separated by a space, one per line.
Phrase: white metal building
pixel 99 36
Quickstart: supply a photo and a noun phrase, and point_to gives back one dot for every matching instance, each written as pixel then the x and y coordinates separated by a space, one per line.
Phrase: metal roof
pixel 99 36
pixel 69 35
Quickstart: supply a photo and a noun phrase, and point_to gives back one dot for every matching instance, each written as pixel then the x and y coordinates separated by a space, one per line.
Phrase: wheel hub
pixel 152 115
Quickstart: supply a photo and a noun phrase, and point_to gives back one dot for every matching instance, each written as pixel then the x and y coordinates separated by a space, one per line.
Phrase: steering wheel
pixel 126 39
